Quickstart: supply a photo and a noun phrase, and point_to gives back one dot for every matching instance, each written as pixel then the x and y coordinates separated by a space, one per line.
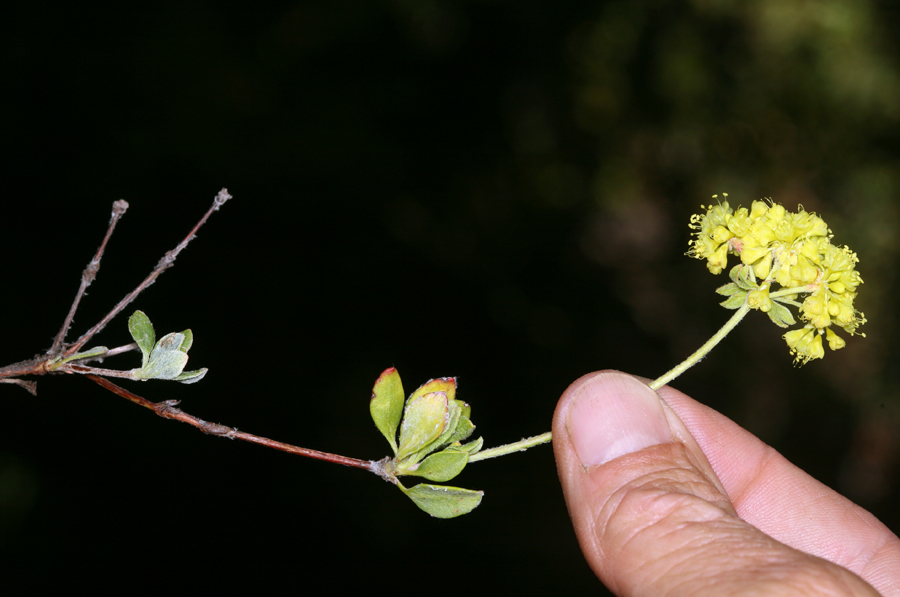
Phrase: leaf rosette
pixel 163 359
pixel 432 426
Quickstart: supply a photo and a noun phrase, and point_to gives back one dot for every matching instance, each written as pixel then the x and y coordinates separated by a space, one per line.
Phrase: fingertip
pixel 609 414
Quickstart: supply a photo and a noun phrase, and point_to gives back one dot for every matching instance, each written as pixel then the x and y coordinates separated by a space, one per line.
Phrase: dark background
pixel 494 190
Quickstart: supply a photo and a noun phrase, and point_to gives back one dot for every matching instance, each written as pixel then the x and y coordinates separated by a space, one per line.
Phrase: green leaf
pixel 188 341
pixel 454 412
pixel 788 300
pixel 425 419
pixel 191 376
pixel 442 501
pixel 386 405
pixel 466 409
pixel 472 447
pixel 91 352
pixel 780 315
pixel 464 428
pixel 167 365
pixel 440 466
pixel 743 276
pixel 728 289
pixel 735 301
pixel 457 409
pixel 142 331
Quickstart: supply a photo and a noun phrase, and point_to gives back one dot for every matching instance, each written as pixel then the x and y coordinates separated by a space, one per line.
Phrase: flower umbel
pixel 792 250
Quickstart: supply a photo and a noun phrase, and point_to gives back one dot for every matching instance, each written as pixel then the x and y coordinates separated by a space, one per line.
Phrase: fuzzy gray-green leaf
pixel 728 289
pixel 780 315
pixel 168 343
pixel 735 301
pixel 167 365
pixel 191 376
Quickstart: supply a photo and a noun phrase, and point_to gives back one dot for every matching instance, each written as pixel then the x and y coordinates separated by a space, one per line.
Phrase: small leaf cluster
pixel 744 288
pixel 432 426
pixel 793 250
pixel 163 359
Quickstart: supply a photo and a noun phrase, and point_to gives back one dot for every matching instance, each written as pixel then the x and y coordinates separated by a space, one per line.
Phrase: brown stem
pixel 33 366
pixel 90 371
pixel 89 274
pixel 167 410
pixel 164 263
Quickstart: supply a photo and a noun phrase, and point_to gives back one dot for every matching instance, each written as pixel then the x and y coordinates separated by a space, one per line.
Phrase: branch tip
pixel 166 262
pixel 221 198
pixel 119 208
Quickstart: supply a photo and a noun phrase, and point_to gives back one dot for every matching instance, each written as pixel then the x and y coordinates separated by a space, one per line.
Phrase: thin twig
pixel 167 410
pixel 164 263
pixel 30 367
pixel 43 364
pixel 86 370
pixel 89 274
pixel 112 352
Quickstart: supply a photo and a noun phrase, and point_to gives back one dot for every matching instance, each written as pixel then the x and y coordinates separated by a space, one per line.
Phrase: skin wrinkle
pixel 679 560
pixel 862 564
pixel 671 497
pixel 883 578
pixel 741 493
pixel 694 551
pixel 673 560
pixel 651 481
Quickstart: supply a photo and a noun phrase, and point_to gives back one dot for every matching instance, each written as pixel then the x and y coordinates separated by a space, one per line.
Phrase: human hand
pixel 669 497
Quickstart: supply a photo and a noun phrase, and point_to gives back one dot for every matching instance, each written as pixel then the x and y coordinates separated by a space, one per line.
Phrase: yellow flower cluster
pixel 793 250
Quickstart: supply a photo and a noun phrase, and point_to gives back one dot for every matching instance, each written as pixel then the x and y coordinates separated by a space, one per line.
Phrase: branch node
pixel 216 429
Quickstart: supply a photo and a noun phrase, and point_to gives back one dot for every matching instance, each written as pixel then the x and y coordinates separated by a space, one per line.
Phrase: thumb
pixel 650 514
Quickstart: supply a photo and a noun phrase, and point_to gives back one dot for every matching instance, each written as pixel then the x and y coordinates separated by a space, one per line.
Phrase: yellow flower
pixel 814 310
pixel 792 250
pixel 759 299
pixel 805 344
pixel 835 342
pixel 712 236
pixel 807 224
pixel 740 222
